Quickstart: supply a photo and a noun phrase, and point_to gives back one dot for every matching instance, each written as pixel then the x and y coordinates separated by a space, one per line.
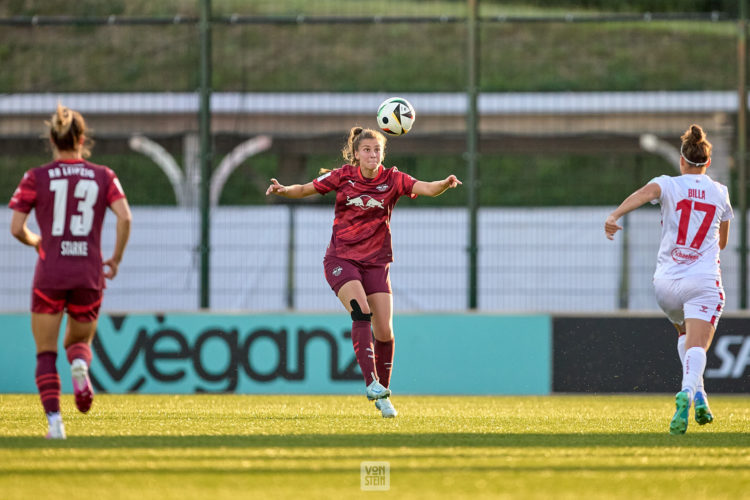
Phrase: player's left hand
pixel 275 188
pixel 452 181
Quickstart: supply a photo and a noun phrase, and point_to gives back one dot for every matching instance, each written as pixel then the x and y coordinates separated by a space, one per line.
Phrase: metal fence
pixel 574 111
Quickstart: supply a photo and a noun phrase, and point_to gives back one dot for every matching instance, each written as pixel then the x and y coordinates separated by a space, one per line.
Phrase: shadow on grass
pixel 425 440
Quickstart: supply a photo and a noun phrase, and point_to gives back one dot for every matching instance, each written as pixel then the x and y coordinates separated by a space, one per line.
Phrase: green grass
pixel 415 57
pixel 228 446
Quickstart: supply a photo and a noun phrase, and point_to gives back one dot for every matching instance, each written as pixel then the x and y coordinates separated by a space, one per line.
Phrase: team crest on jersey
pixel 382 187
pixel 337 270
pixel 365 202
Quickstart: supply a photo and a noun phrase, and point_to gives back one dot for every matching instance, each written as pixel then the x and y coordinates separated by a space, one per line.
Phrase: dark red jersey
pixel 70 198
pixel 362 224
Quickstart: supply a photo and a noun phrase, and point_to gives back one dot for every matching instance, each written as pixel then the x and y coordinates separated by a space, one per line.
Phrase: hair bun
pixel 62 120
pixel 697 134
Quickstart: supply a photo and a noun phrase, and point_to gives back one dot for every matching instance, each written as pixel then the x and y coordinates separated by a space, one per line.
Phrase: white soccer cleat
pixel 386 408
pixel 56 429
pixel 82 389
pixel 376 391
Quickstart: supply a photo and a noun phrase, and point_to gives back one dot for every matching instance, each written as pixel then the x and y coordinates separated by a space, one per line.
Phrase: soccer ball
pixel 396 116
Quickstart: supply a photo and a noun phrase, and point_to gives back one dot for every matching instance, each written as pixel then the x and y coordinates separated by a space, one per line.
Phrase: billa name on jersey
pixel 698 194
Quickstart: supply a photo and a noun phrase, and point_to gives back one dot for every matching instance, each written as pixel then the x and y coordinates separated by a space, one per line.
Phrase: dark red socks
pixel 384 360
pixel 48 381
pixel 363 349
pixel 80 350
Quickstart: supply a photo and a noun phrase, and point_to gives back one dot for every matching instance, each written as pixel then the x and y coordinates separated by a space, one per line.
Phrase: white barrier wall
pixel 530 260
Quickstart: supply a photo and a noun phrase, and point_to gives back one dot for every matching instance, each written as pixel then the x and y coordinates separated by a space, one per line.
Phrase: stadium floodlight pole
pixel 206 154
pixel 741 146
pixel 472 132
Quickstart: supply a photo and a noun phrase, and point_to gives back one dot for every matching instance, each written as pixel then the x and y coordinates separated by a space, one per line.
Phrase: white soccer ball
pixel 396 116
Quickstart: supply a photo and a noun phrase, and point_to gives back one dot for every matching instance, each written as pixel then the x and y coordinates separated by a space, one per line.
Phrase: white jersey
pixel 692 208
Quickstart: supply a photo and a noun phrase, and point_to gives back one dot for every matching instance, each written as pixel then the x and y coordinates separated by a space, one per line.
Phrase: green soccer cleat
pixel 703 413
pixel 679 422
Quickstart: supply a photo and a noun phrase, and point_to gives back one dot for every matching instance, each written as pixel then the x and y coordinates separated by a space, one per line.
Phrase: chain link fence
pixel 576 109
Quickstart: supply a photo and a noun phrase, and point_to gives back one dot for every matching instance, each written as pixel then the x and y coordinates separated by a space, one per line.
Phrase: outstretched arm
pixel 293 191
pixel 435 188
pixel 647 193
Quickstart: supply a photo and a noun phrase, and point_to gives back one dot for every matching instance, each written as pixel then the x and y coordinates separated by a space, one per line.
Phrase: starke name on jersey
pixel 74 248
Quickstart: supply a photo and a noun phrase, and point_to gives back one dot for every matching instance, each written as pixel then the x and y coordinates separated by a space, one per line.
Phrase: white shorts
pixel 692 297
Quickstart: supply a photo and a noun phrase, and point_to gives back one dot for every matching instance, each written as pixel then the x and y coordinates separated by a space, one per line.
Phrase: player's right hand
pixel 275 188
pixel 611 227
pixel 112 271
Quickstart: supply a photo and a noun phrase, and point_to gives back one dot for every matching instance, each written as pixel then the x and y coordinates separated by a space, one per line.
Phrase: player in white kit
pixel 695 212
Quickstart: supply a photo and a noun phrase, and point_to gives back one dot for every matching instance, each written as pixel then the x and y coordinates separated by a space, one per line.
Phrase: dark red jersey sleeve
pixel 24 197
pixel 114 189
pixel 328 182
pixel 405 183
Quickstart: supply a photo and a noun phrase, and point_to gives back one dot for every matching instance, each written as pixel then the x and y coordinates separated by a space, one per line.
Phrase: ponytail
pixel 66 128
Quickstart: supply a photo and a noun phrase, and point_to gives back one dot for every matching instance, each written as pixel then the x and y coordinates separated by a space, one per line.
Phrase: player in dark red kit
pixel 358 258
pixel 70 197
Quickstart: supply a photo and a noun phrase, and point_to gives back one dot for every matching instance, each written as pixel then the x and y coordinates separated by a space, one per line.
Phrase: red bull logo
pixel 359 201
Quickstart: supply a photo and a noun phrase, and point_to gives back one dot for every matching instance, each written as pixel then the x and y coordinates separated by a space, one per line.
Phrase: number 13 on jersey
pixel 87 192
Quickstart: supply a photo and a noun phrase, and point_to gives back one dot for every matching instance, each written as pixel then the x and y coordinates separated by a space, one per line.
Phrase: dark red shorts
pixel 375 278
pixel 82 304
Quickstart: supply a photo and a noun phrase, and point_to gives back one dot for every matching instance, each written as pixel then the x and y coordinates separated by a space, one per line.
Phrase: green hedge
pixel 507 180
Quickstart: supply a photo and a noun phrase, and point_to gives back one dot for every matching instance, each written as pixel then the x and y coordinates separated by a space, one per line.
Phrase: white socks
pixel 693 367
pixel 681 352
pixel 681 349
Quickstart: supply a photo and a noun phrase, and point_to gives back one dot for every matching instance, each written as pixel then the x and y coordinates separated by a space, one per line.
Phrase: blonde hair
pixel 695 149
pixel 356 134
pixel 66 128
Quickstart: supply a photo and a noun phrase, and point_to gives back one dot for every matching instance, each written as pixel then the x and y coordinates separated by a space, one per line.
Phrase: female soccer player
pixel 695 212
pixel 358 258
pixel 70 197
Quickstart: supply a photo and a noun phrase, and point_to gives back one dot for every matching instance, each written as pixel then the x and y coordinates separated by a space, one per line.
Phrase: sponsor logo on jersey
pixel 359 201
pixel 685 255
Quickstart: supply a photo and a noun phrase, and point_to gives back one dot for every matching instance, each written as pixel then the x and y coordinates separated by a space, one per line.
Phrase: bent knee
pixel 360 312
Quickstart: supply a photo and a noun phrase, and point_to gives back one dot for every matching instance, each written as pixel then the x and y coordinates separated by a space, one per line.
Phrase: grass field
pixel 227 446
